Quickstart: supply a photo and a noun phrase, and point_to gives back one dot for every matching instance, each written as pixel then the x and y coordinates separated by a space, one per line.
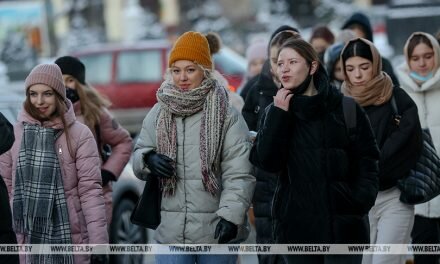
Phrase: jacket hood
pixel 331 56
pixel 403 70
pixel 56 123
pixel 265 83
pixel 364 21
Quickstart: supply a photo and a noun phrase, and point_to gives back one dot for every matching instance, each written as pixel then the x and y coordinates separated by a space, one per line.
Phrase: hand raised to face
pixel 282 99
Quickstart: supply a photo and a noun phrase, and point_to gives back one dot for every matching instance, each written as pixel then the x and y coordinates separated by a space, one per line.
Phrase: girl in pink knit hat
pixel 51 172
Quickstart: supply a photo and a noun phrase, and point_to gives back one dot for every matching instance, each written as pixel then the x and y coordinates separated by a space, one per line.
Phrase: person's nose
pixel 358 73
pixel 40 99
pixel 183 76
pixel 422 62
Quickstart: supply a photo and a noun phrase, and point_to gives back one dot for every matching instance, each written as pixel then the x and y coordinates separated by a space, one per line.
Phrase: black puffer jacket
pixel 328 182
pixel 400 146
pixel 7 235
pixel 258 98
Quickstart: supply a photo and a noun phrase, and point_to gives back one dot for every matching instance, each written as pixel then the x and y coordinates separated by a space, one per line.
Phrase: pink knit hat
pixel 257 50
pixel 48 74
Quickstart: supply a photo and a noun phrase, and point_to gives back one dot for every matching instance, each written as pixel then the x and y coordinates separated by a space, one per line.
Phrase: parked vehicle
pixel 130 74
pixel 126 192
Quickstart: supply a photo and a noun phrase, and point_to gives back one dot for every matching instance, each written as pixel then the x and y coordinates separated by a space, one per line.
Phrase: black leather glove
pixel 225 231
pixel 106 177
pixel 159 164
pixel 99 259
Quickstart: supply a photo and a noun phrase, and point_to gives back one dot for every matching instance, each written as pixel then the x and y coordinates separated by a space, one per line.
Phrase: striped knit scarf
pixel 212 99
pixel 39 205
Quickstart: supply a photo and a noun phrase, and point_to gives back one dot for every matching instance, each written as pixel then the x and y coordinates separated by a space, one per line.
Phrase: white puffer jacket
pixel 191 215
pixel 427 98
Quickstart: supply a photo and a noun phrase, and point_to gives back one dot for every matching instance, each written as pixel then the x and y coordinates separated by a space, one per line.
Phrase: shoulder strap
pixel 349 109
pixel 396 115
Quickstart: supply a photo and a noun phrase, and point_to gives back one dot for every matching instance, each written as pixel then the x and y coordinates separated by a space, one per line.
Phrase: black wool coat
pixel 7 235
pixel 328 180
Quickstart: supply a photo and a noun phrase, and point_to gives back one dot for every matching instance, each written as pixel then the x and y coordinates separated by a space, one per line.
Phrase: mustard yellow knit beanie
pixel 191 46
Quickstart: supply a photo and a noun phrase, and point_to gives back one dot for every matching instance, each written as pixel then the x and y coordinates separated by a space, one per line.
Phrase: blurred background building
pixel 31 30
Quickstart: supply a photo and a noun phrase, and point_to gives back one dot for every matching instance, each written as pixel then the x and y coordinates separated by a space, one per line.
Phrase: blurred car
pixel 126 192
pixel 130 74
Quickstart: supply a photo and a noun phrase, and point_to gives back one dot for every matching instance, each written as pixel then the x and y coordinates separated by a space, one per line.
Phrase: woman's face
pixel 422 59
pixel 292 68
pixel 186 74
pixel 69 81
pixel 43 98
pixel 359 70
pixel 255 66
pixel 319 44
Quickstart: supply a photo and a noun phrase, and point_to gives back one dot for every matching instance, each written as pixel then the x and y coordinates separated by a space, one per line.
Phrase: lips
pixel 285 78
pixel 184 86
pixel 43 109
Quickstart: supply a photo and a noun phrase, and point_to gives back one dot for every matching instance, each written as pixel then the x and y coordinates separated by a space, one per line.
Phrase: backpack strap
pixel 395 110
pixel 349 109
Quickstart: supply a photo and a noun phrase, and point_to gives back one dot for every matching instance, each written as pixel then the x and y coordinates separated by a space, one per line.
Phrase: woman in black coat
pixel 7 235
pixel 328 173
pixel 398 135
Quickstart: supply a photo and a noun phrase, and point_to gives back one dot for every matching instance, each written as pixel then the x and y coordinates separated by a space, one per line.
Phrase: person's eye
pixel 175 71
pixel 365 68
pixel 48 94
pixel 190 70
pixel 349 69
pixel 428 56
pixel 279 64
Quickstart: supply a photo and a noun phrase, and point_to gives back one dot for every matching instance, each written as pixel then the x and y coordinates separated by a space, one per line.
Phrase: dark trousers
pixel 7 235
pixel 426 231
pixel 321 259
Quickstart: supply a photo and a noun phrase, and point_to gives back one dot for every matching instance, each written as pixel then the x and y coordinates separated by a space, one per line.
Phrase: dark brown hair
pixel 303 48
pixel 324 33
pixel 416 40
pixel 280 38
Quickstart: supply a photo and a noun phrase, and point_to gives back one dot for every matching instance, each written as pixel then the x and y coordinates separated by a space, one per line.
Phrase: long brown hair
pixel 91 104
pixel 416 40
pixel 60 109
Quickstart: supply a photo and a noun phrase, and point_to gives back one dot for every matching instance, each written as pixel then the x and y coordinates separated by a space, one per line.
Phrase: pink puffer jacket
pixel 81 180
pixel 121 143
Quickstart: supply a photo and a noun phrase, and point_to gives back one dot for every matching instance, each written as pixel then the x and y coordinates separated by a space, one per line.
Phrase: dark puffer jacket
pixel 328 183
pixel 362 20
pixel 7 235
pixel 259 97
pixel 400 146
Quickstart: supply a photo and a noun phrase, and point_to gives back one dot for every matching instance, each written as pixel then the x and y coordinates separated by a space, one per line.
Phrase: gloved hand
pixel 159 164
pixel 106 177
pixel 225 231
pixel 99 259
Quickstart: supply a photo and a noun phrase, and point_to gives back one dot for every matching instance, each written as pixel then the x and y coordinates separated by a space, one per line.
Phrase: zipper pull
pixel 60 151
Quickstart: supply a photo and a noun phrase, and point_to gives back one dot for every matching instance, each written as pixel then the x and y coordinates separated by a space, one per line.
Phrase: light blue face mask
pixel 419 77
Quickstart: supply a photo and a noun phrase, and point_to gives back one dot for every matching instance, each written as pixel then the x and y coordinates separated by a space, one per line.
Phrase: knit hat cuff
pixel 47 79
pixel 187 53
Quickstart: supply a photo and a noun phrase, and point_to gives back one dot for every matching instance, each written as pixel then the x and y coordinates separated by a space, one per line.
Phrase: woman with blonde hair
pixel 197 146
pixel 114 142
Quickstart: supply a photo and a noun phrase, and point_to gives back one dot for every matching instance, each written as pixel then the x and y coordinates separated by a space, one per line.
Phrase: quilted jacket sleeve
pixel 237 182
